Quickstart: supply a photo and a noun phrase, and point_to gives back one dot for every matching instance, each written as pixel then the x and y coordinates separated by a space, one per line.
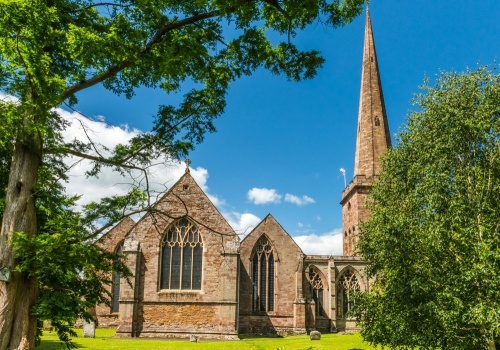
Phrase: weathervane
pixel 188 162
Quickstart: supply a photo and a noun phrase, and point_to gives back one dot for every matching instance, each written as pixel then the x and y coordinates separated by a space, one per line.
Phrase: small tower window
pixel 377 121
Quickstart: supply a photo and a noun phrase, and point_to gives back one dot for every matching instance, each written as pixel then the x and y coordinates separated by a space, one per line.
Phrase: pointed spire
pixel 373 137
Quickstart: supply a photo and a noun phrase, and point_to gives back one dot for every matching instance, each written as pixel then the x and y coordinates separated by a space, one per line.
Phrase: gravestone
pixel 88 329
pixel 193 338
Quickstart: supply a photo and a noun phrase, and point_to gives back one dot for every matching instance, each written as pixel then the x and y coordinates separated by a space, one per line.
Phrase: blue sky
pixel 292 138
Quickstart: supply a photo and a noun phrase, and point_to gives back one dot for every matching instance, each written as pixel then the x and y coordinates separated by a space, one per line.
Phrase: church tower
pixel 373 139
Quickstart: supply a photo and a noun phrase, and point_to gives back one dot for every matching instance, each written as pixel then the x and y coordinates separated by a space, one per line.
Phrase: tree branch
pixel 112 71
pixel 102 160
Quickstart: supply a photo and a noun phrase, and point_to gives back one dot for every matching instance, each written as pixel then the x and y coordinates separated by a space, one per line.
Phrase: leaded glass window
pixel 182 257
pixel 317 290
pixel 115 290
pixel 263 276
pixel 347 287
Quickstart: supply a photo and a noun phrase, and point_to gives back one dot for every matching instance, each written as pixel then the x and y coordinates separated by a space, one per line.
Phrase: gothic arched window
pixel 182 257
pixel 347 287
pixel 263 276
pixel 317 290
pixel 115 290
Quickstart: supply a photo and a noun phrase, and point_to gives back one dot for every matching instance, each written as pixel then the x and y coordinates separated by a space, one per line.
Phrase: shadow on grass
pixel 49 344
pixel 254 336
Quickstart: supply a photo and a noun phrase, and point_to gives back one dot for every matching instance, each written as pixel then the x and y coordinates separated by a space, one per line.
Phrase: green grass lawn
pixel 104 340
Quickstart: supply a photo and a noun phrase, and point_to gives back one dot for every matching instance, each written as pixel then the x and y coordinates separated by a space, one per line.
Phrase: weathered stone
pixel 147 310
pixel 130 245
pixel 193 338
pixel 315 335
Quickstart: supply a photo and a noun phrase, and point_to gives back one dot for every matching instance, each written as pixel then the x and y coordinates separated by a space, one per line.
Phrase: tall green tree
pixel 432 243
pixel 52 49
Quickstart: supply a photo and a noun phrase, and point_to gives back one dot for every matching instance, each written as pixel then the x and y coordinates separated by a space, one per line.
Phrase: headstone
pixel 88 329
pixel 193 338
pixel 47 326
pixel 315 335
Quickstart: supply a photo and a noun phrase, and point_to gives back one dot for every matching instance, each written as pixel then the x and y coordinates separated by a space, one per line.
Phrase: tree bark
pixel 17 297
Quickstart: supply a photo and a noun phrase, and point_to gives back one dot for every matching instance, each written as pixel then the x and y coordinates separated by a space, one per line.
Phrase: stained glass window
pixel 115 302
pixel 263 276
pixel 182 257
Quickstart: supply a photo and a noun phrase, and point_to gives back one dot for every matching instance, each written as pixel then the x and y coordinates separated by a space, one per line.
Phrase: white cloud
pixel 263 196
pixel 242 223
pixel 109 182
pixel 329 243
pixel 270 195
pixel 298 200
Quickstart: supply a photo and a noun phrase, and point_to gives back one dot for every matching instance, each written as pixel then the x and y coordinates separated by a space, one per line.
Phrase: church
pixel 193 275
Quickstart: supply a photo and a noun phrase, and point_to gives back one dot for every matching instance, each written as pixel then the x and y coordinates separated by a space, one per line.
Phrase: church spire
pixel 373 138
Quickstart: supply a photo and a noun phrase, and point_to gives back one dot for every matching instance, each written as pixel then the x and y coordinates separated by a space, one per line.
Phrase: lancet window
pixel 115 291
pixel 263 276
pixel 317 290
pixel 182 257
pixel 347 287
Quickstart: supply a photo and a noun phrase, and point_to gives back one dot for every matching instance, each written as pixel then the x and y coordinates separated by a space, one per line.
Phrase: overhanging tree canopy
pixel 433 240
pixel 51 50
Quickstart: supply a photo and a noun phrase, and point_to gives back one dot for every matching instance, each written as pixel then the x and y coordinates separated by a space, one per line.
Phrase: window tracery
pixel 317 289
pixel 263 276
pixel 182 257
pixel 347 287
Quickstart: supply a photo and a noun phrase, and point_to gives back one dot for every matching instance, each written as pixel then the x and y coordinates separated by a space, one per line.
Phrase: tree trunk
pixel 17 324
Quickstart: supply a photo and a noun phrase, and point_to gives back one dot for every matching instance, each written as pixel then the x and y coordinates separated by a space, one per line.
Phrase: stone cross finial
pixel 188 162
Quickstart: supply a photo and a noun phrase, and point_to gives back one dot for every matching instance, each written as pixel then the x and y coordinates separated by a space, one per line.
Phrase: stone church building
pixel 192 275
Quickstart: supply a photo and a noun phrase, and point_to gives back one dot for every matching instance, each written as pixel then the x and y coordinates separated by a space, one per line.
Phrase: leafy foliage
pixel 51 50
pixel 72 271
pixel 432 243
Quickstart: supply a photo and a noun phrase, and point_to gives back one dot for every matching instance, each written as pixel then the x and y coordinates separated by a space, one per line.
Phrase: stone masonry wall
pixel 287 286
pixel 209 312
